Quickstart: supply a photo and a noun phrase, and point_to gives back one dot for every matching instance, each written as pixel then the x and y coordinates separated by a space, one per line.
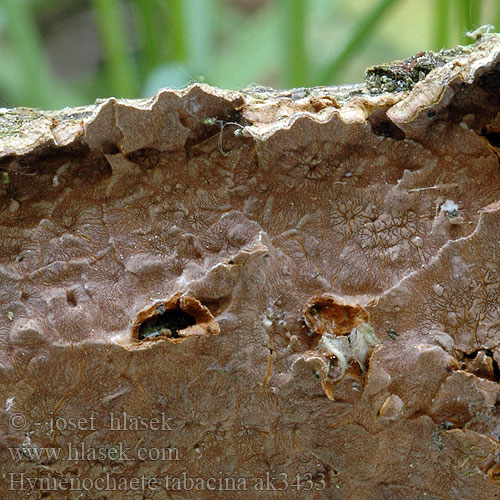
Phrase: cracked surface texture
pixel 305 284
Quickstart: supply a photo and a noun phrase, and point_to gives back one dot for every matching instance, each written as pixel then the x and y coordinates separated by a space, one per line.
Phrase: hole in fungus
pixel 335 369
pixel 70 298
pixel 167 324
pixel 382 125
pixel 481 363
pixel 329 313
pixel 493 137
pixel 496 370
pixel 174 319
pixel 471 355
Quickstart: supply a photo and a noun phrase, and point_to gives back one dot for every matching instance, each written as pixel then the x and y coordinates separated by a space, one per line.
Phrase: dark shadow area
pixel 167 324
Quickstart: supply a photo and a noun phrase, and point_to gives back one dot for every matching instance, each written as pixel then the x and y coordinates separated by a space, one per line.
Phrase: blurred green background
pixel 56 53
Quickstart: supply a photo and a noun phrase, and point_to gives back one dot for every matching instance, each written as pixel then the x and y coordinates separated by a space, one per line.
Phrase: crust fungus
pixel 311 301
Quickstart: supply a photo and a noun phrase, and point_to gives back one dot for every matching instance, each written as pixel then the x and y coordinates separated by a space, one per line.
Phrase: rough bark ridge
pixel 279 294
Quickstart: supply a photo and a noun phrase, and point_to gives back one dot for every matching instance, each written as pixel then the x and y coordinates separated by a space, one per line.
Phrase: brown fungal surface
pixel 260 294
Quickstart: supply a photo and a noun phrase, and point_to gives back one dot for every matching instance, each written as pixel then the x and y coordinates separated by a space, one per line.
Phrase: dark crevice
pixel 471 355
pixel 480 101
pixel 48 155
pixel 383 126
pixel 21 177
pixel 485 366
pixel 146 158
pixel 496 368
pixel 493 137
pixel 110 148
pixel 168 324
pixel 70 298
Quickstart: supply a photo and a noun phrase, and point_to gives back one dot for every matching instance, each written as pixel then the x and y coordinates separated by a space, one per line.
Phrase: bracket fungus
pixel 256 294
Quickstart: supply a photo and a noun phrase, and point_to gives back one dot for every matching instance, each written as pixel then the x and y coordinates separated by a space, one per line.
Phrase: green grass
pixel 177 41
pixel 177 30
pixel 360 35
pixel 442 22
pixel 35 81
pixel 151 15
pixel 294 26
pixel 121 71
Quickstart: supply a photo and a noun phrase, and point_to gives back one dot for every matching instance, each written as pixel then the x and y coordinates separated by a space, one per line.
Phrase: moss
pixel 400 76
